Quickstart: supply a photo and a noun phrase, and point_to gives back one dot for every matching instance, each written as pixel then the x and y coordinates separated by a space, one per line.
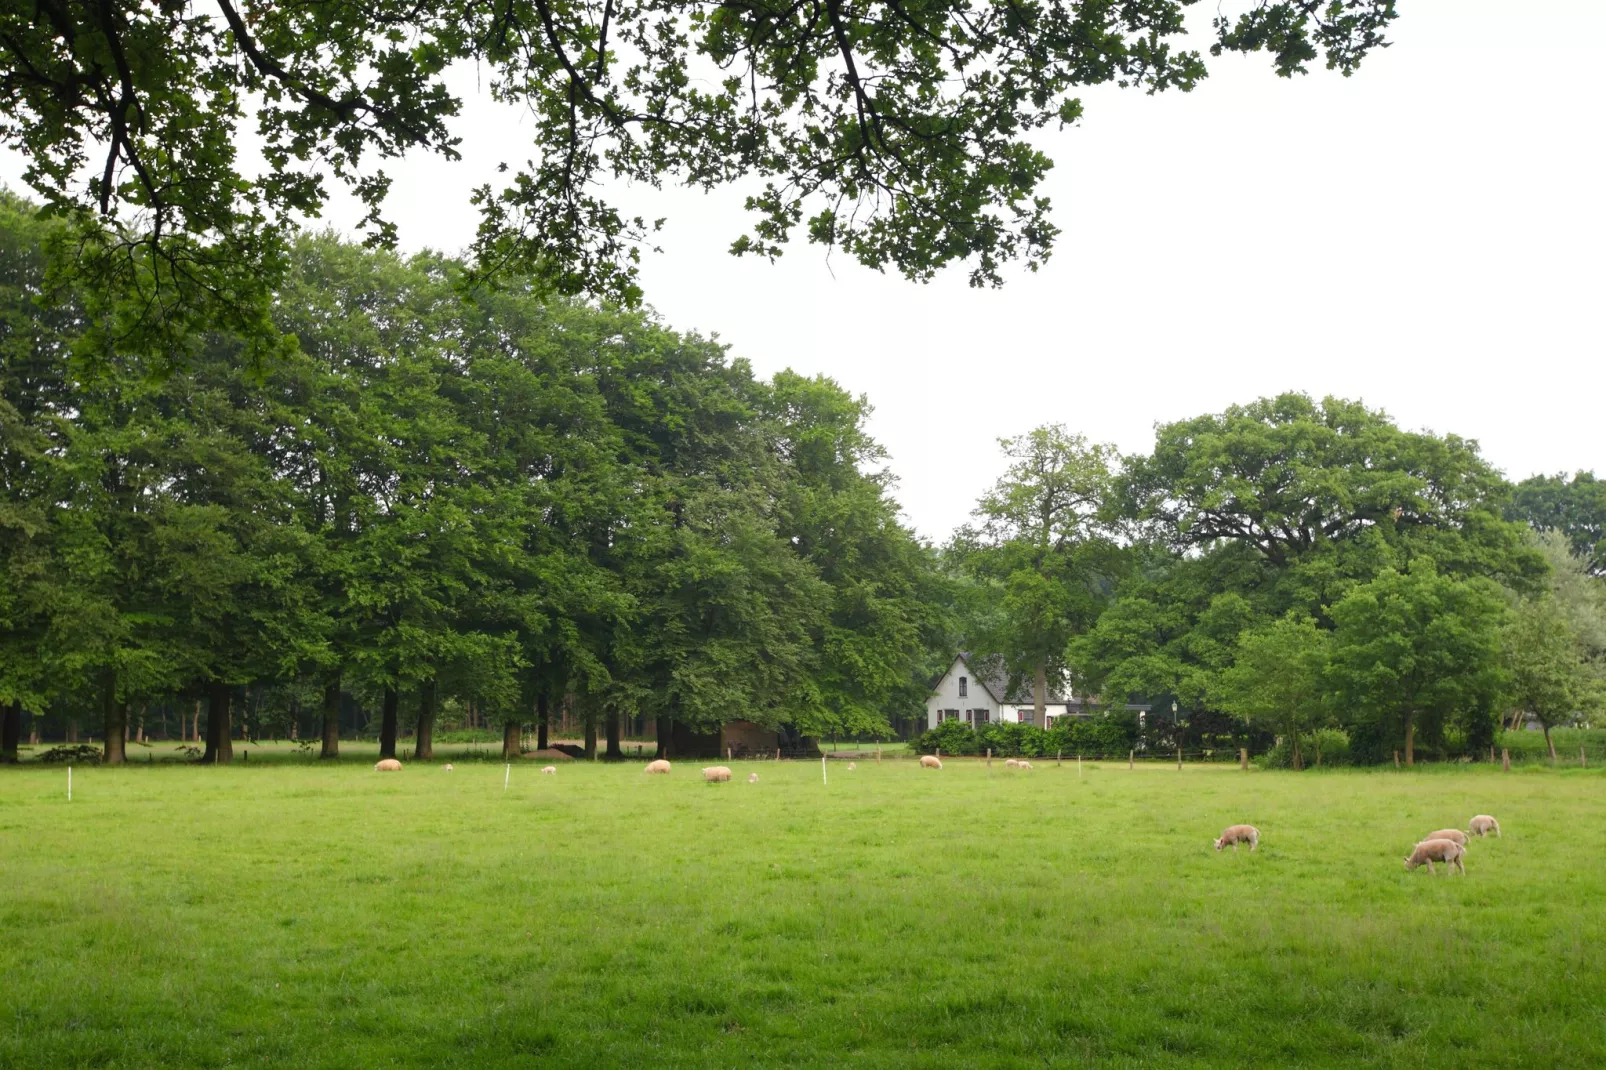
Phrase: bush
pixel 1104 736
pixel 77 753
pixel 1331 743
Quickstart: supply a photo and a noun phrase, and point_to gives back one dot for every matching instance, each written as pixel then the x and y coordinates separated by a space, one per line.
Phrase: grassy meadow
pixel 301 914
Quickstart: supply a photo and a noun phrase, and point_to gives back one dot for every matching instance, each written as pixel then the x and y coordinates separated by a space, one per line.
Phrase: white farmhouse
pixel 977 696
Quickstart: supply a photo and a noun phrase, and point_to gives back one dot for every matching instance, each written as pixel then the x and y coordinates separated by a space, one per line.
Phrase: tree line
pixel 1289 566
pixel 440 493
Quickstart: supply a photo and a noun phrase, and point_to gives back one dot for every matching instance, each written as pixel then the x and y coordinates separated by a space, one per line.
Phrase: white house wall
pixel 947 695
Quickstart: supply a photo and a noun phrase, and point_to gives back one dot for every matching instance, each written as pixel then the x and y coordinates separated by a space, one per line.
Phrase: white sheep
pixel 752 778
pixel 1482 825
pixel 1023 764
pixel 928 761
pixel 1430 851
pixel 549 769
pixel 717 774
pixel 851 767
pixel 1237 834
pixel 1010 763
pixel 657 766
pixel 1447 834
pixel 448 767
pixel 387 765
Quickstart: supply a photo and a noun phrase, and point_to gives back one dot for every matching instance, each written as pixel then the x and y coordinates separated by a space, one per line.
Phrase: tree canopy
pixel 901 133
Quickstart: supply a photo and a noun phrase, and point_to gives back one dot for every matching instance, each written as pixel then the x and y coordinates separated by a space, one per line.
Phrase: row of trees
pixel 1293 564
pixel 498 497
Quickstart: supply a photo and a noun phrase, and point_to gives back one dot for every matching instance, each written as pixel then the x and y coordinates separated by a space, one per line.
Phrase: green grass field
pixel 297 914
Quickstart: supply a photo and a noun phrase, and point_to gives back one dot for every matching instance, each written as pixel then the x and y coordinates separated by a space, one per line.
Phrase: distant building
pixel 979 696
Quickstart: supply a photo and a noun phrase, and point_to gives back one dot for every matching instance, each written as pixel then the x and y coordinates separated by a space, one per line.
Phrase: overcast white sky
pixel 1426 236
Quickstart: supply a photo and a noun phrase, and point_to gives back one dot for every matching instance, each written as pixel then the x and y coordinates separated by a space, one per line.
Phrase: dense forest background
pixel 440 504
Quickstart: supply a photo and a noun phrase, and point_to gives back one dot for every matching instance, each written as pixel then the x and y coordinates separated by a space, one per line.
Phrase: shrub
pixel 1330 743
pixel 1104 736
pixel 78 753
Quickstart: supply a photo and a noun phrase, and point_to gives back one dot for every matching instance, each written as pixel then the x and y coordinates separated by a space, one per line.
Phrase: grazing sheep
pixel 1482 825
pixel 752 778
pixel 1023 764
pixel 1430 851
pixel 657 766
pixel 928 761
pixel 1010 763
pixel 448 767
pixel 549 769
pixel 387 765
pixel 1447 834
pixel 717 774
pixel 1237 834
pixel 851 767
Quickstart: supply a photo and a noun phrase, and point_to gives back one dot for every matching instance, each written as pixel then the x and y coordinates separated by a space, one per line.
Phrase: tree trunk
pixel 1549 742
pixel 72 730
pixel 10 730
pixel 1410 740
pixel 115 715
pixel 387 725
pixel 219 746
pixel 590 719
pixel 331 718
pixel 510 739
pixel 612 723
pixel 542 717
pixel 424 739
pixel 1040 694
pixel 193 733
pixel 1298 760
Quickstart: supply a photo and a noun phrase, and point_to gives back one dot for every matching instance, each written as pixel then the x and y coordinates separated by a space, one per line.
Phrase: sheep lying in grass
pixel 717 774
pixel 549 769
pixel 1430 851
pixel 1237 834
pixel 752 778
pixel 929 761
pixel 1482 825
pixel 387 765
pixel 657 766
pixel 1447 834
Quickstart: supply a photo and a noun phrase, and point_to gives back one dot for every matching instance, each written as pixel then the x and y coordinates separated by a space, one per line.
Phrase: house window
pixel 961 687
pixel 1026 716
pixel 981 716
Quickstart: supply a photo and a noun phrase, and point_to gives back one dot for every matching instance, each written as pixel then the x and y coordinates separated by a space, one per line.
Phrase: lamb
pixel 929 761
pixel 387 765
pixel 752 778
pixel 1447 834
pixel 1430 851
pixel 657 766
pixel 549 769
pixel 1237 834
pixel 717 774
pixel 1482 825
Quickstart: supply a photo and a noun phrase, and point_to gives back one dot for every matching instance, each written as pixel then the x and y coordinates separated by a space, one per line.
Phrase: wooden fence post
pixel 878 750
pixel 1505 759
pixel 989 757
pixel 1179 757
pixel 1583 759
pixel 1243 758
pixel 1396 759
pixel 777 754
pixel 1129 755
pixel 1491 754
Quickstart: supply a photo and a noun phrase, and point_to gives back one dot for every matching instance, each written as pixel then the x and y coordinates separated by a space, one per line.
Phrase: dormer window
pixel 961 687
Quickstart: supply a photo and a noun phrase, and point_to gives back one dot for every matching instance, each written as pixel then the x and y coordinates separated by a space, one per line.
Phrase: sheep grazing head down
pixel 448 767
pixel 930 761
pixel 549 769
pixel 717 774
pixel 659 766
pixel 387 765
pixel 752 778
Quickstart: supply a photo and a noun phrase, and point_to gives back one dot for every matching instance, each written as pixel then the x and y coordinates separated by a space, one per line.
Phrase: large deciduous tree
pixel 1042 546
pixel 1575 506
pixel 1413 651
pixel 902 133
pixel 1278 677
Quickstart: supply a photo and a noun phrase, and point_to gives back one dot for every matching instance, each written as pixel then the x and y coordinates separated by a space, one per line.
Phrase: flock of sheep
pixel 1445 845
